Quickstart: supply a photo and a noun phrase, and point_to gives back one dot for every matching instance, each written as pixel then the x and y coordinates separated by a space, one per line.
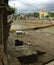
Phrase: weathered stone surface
pixel 24 50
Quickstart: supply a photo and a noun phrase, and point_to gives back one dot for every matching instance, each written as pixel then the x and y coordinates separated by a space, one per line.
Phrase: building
pixel 22 16
pixel 42 14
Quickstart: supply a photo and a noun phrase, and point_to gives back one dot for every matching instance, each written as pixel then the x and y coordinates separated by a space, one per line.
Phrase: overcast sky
pixel 27 6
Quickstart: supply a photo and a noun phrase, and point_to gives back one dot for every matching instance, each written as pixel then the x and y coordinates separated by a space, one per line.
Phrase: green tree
pixel 51 14
pixel 36 14
pixel 11 10
pixel 29 14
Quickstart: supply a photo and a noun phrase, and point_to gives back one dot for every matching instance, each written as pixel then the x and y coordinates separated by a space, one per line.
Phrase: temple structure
pixel 42 14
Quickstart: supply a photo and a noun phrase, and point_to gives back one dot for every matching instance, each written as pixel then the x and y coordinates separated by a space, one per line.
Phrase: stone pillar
pixel 3 23
pixel 1 27
pixel 4 28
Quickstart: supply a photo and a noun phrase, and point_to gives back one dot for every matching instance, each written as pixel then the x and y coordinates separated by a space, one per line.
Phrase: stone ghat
pixel 25 50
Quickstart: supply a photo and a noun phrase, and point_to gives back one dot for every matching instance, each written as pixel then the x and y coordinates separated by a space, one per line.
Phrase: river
pixel 47 30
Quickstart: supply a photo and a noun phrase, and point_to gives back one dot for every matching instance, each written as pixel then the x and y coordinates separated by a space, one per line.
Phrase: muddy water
pixel 47 30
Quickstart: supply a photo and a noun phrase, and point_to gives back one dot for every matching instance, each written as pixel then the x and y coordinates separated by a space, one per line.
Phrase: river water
pixel 47 30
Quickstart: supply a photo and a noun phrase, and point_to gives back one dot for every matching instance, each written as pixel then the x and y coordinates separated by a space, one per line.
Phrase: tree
pixel 29 14
pixel 36 14
pixel 11 10
pixel 51 14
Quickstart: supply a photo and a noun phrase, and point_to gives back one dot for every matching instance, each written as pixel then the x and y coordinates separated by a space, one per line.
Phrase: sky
pixel 30 6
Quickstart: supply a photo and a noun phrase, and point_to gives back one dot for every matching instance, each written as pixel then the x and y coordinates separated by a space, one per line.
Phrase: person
pixel 29 42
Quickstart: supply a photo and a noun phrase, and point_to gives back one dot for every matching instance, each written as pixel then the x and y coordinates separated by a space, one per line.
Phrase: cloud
pixel 32 5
